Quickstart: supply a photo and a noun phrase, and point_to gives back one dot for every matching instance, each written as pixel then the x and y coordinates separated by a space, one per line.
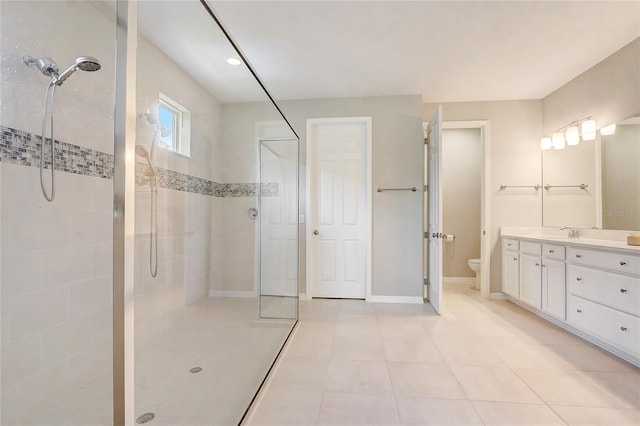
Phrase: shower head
pixel 151 119
pixel 83 63
pixel 142 152
pixel 46 65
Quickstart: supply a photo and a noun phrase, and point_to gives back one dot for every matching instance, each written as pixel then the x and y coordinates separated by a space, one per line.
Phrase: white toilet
pixel 474 264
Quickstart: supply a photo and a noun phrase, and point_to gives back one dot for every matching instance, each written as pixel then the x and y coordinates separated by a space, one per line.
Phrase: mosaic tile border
pixel 19 147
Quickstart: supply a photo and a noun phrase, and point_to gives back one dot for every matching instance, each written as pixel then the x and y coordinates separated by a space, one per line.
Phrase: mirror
pixel 595 184
pixel 620 154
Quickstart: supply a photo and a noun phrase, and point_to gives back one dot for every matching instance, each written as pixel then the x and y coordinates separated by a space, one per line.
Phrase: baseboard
pixel 498 296
pixel 231 293
pixel 471 281
pixel 395 299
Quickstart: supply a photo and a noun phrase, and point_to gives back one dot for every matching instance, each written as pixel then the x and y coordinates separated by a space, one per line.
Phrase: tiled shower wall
pixel 56 278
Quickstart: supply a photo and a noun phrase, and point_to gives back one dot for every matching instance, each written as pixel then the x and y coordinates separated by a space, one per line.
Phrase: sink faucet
pixel 573 233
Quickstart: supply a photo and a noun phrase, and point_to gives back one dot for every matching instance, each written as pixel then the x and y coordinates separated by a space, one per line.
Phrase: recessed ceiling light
pixel 234 61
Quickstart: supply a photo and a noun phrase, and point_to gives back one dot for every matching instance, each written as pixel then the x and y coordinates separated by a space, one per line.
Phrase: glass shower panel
pixel 202 349
pixel 56 256
pixel 278 214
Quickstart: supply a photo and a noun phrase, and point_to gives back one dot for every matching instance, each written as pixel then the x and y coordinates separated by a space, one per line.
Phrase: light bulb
pixel 608 130
pixel 572 135
pixel 589 130
pixel 545 144
pixel 558 140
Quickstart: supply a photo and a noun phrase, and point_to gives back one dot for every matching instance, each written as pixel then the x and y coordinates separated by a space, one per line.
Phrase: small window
pixel 175 126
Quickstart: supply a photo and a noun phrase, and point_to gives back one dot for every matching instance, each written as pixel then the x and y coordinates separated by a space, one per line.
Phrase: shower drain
pixel 195 370
pixel 145 418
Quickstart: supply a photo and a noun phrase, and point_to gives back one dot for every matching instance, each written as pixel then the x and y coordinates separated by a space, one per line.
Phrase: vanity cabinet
pixel 531 273
pixel 553 281
pixel 603 296
pixel 592 292
pixel 510 262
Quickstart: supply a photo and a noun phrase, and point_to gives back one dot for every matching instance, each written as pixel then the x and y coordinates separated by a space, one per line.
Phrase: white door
pixel 434 213
pixel 278 217
pixel 337 230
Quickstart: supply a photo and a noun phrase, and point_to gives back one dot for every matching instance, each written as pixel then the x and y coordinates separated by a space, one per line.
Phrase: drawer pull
pixel 515 258
pixel 543 265
pixel 622 263
pixel 578 279
pixel 551 251
pixel 579 311
pixel 537 264
pixel 623 328
pixel 578 256
pixel 623 290
pixel 509 244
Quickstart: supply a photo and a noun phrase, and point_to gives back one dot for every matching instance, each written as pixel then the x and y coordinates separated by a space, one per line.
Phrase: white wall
pixel 514 160
pixel 397 161
pixel 461 172
pixel 609 92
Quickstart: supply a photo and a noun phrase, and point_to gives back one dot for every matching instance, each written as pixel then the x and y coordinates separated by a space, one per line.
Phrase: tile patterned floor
pixel 481 362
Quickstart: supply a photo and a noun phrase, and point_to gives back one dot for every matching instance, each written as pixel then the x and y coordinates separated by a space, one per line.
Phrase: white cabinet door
pixel 510 279
pixel 531 280
pixel 553 288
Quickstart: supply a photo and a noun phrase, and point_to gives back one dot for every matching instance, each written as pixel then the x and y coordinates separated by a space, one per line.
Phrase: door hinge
pixel 426 141
pixel 426 235
pixel 426 188
pixel 426 281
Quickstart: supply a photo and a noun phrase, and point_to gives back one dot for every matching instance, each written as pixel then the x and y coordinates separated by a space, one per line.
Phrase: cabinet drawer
pixel 615 327
pixel 553 251
pixel 607 288
pixel 509 244
pixel 615 261
pixel 531 248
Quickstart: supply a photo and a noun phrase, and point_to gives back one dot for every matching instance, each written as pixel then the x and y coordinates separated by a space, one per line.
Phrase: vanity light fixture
pixel 608 130
pixel 545 143
pixel 234 61
pixel 558 140
pixel 572 135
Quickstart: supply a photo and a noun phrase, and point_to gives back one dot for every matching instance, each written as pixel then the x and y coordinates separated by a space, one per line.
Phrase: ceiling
pixel 443 50
pixel 446 51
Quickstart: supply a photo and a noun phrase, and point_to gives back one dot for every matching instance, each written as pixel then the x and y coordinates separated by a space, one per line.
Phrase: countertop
pixel 617 245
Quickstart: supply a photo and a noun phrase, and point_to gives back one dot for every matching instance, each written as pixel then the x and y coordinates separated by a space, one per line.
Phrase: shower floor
pixel 222 336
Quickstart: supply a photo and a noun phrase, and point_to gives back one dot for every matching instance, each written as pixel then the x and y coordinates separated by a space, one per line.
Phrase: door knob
pixel 316 232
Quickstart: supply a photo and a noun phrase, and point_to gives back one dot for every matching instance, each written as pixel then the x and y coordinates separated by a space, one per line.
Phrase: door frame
pixel 311 122
pixel 485 196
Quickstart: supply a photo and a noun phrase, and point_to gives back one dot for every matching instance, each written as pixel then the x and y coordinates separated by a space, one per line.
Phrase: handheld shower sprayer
pixel 48 67
pixel 83 63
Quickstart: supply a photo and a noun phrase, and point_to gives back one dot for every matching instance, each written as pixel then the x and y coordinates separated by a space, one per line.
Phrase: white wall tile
pixel 64 265
pixel 63 341
pixel 20 359
pixel 32 312
pixel 21 272
pixel 31 229
pixel 89 296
